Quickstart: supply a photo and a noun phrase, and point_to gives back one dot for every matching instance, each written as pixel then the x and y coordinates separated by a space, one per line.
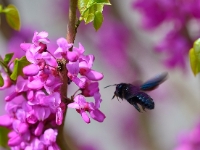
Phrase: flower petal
pixel 25 46
pixel 15 141
pixel 5 120
pixel 38 131
pixel 79 82
pixel 97 115
pixel 73 68
pixel 94 75
pixel 85 117
pixel 73 105
pixel 72 56
pixel 23 128
pixel 31 70
pixel 59 116
pixel 36 84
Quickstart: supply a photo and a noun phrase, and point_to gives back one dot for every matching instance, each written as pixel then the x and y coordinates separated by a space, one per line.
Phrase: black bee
pixel 135 94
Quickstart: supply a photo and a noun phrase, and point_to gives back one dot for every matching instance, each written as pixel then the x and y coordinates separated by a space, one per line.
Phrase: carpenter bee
pixel 135 93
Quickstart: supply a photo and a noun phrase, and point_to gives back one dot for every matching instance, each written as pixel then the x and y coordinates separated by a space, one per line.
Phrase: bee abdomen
pixel 145 100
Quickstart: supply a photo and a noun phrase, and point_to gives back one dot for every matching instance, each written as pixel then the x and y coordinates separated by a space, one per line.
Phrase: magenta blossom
pixel 82 66
pixel 34 106
pixel 156 12
pixel 190 140
pixel 83 107
pixel 176 47
pixel 176 14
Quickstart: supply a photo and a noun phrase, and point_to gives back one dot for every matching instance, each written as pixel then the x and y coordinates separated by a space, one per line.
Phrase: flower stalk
pixel 71 27
pixel 71 33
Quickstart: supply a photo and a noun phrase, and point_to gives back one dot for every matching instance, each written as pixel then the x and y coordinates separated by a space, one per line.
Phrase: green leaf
pixel 4 137
pixel 196 46
pixel 89 18
pixel 19 64
pixel 8 58
pixel 1 8
pixel 194 56
pixel 12 17
pixel 91 10
pixel 89 14
pixel 98 20
pixel 4 65
pixel 1 81
pixel 105 2
pixel 82 5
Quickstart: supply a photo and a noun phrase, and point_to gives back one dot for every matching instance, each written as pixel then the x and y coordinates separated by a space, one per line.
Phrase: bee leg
pixel 118 99
pixel 113 96
pixel 143 108
pixel 136 106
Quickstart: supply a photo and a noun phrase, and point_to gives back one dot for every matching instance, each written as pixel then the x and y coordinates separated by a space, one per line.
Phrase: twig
pixel 71 28
pixel 71 33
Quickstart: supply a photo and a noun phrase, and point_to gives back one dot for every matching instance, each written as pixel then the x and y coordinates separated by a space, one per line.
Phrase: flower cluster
pixel 177 14
pixel 176 47
pixel 113 33
pixel 80 64
pixel 190 140
pixel 35 107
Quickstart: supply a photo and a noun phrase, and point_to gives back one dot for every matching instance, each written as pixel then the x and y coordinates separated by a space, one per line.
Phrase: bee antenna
pixel 110 85
pixel 113 96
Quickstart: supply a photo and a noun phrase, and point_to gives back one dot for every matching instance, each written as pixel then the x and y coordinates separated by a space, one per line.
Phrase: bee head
pixel 119 90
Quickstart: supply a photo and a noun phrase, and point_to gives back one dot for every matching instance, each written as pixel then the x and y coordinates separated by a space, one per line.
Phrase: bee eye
pixel 119 86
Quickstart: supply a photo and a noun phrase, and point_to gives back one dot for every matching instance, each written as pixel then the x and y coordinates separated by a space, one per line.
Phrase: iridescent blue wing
pixel 154 83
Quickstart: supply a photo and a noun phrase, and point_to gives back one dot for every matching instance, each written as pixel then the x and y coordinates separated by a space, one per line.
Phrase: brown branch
pixel 71 28
pixel 63 93
pixel 71 33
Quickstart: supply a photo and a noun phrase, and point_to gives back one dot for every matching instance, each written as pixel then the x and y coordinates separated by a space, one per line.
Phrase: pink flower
pixel 154 12
pixel 82 107
pixel 178 14
pixel 92 89
pixel 49 138
pixel 85 65
pixel 34 105
pixel 73 71
pixel 176 47
pixel 190 140
pixel 35 144
pixel 40 37
pixel 63 50
pixel 31 69
pixel 5 120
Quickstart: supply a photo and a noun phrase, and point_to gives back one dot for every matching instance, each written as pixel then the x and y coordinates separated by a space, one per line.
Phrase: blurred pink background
pixel 124 52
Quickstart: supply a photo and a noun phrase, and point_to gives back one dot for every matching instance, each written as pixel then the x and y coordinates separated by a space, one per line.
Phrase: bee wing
pixel 154 83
